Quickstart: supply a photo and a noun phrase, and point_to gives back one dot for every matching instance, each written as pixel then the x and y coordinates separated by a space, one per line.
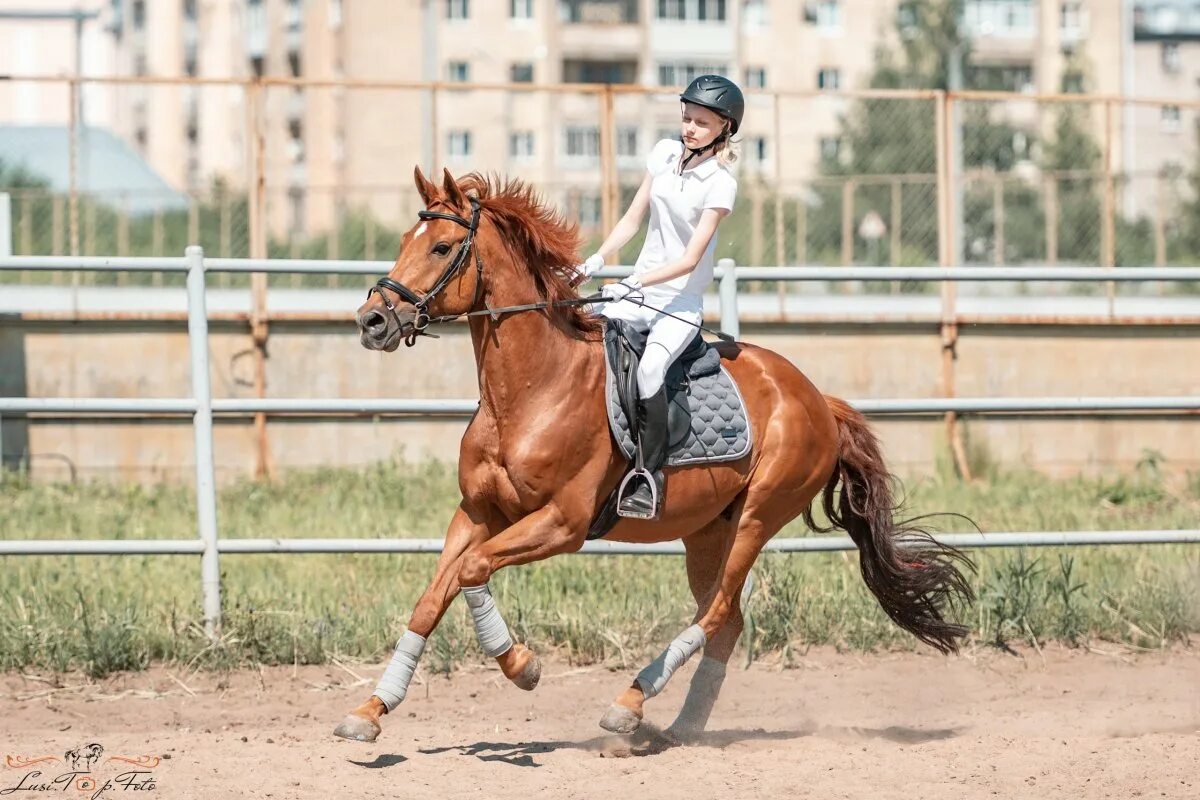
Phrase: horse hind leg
pixel 625 715
pixel 705 556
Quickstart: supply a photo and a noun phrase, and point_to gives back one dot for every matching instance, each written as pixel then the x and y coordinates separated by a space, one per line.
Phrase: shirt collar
pixel 703 170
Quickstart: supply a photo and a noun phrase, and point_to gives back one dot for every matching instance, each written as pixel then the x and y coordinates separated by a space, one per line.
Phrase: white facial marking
pixel 420 229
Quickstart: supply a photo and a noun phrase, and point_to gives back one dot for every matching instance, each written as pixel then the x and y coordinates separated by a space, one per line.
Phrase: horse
pixel 537 461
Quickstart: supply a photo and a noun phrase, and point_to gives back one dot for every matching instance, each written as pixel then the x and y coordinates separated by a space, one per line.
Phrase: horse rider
pixel 689 189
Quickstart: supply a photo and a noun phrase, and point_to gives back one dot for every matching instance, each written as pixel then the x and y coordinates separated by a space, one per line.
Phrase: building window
pixel 189 62
pixel 756 78
pixel 627 142
pixel 829 17
pixel 589 210
pixel 1172 121
pixel 681 73
pixel 1072 82
pixel 831 149
pixel 577 71
pixel 459 144
pixel 458 71
pixel 829 79
pixel 754 14
pixel 691 10
pixel 521 72
pixel 1003 18
pixel 520 9
pixel 458 9
pixel 1000 77
pixel 758 149
pixel 520 145
pixel 139 64
pixel 1070 20
pixel 582 142
pixel 137 14
pixel 1171 63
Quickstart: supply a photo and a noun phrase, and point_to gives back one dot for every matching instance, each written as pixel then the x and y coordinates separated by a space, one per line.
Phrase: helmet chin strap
pixel 696 151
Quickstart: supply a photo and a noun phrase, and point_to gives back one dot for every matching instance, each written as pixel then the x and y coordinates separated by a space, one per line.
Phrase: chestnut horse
pixel 537 461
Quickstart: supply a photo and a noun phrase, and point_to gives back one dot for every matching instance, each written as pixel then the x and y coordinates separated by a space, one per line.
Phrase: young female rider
pixel 689 190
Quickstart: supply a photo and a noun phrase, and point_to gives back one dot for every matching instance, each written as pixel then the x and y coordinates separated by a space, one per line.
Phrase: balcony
pixel 600 29
pixel 598 12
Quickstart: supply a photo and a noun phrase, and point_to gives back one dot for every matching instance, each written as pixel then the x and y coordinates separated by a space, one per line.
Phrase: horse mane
pixel 538 236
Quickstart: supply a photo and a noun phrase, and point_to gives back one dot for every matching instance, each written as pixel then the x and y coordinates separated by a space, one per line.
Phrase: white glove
pixel 617 291
pixel 594 263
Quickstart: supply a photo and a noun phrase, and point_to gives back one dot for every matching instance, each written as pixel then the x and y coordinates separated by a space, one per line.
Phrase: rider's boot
pixel 645 499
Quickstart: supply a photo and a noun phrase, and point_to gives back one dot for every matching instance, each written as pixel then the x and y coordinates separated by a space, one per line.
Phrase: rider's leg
pixel 668 338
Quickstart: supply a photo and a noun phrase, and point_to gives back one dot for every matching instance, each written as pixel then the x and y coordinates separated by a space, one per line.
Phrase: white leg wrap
pixel 655 676
pixel 701 696
pixel 394 683
pixel 489 625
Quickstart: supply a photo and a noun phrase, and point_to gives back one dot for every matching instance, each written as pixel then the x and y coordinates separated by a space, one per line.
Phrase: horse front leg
pixel 548 531
pixel 362 724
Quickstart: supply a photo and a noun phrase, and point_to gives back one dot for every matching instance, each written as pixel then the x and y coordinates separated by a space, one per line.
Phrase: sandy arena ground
pixel 1061 724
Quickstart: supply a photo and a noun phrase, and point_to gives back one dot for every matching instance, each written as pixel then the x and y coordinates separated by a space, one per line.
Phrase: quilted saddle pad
pixel 719 430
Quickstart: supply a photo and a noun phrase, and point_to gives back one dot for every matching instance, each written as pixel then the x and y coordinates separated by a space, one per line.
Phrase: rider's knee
pixel 652 369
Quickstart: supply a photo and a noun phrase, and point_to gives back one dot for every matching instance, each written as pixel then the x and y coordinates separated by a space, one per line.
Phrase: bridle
pixel 423 319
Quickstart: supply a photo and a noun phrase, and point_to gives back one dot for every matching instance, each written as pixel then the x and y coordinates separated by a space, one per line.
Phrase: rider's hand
pixel 587 269
pixel 617 291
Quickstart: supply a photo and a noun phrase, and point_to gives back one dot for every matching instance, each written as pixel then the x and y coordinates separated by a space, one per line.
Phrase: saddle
pixel 706 419
pixel 624 344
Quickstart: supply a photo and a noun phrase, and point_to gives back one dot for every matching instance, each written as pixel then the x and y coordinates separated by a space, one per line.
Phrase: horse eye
pixel 441 248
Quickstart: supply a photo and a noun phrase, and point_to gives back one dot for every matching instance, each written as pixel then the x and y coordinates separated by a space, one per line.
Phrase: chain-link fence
pixel 293 168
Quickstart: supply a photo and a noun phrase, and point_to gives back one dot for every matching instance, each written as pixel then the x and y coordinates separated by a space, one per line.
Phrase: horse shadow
pixel 652 741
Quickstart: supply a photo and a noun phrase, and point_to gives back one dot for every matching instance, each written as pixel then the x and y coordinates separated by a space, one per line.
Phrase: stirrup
pixel 623 491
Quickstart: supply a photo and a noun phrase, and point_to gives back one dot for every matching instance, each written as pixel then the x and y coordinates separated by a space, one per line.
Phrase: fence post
pixel 5 225
pixel 728 297
pixel 202 426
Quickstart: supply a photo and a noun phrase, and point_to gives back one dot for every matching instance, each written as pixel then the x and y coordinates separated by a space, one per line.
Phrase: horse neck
pixel 525 353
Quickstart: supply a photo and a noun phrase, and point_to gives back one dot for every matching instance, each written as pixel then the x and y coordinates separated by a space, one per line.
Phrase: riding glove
pixel 617 291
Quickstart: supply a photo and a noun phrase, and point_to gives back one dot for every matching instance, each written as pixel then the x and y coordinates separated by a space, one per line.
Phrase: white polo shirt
pixel 676 203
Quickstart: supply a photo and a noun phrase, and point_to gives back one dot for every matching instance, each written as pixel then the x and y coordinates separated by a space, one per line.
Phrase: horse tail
pixel 912 576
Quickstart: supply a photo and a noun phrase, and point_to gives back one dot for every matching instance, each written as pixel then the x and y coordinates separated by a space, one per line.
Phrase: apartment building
pixel 331 147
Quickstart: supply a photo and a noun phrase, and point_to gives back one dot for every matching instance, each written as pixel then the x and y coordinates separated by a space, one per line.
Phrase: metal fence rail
pixel 202 406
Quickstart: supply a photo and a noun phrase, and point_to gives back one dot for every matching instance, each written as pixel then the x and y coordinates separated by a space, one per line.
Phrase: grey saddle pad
pixel 720 429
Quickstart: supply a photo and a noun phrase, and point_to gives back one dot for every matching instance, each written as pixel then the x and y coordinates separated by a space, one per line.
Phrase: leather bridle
pixel 423 319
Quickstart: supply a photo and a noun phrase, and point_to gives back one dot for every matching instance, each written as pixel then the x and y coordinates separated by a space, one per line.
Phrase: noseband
pixel 422 303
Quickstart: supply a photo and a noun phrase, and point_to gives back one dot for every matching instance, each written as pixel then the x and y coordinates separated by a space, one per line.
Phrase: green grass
pixel 102 613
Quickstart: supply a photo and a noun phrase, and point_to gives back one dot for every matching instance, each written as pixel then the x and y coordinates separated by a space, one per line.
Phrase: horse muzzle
pixel 380 329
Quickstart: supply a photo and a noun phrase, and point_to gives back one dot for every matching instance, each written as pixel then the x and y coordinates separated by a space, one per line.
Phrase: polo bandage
pixel 394 683
pixel 489 625
pixel 655 676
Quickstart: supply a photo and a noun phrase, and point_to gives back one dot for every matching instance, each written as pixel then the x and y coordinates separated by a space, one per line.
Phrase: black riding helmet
pixel 719 94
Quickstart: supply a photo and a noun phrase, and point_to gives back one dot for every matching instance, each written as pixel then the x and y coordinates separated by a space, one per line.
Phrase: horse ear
pixel 450 187
pixel 425 187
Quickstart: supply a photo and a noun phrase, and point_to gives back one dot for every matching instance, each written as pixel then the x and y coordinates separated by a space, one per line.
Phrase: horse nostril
pixel 373 322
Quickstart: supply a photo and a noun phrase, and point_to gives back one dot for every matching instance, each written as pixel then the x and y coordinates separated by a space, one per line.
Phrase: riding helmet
pixel 720 94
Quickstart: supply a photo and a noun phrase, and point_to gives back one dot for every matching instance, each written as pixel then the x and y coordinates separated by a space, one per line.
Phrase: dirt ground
pixel 1064 723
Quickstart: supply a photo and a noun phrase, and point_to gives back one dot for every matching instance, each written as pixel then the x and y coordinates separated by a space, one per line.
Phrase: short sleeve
pixel 660 156
pixel 722 191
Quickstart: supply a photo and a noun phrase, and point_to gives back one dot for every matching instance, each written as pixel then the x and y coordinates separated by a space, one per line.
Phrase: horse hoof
pixel 521 666
pixel 619 719
pixel 358 729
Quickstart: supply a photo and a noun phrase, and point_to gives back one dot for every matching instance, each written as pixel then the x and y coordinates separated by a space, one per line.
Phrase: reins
pixel 424 320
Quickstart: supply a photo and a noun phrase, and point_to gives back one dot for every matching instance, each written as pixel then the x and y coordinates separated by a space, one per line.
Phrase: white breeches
pixel 668 336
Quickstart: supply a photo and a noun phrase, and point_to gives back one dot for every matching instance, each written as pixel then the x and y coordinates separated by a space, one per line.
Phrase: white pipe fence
pixel 201 406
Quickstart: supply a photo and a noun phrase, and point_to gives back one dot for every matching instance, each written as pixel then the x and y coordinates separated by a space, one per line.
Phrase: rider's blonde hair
pixel 728 151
